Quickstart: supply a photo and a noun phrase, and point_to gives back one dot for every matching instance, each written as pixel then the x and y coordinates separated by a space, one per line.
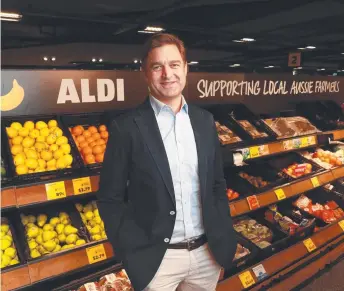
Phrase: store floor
pixel 331 280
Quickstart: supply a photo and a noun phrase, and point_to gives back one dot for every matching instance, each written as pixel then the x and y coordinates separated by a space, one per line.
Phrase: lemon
pixel 28 142
pixel 68 159
pixel 29 125
pixel 11 252
pixel 51 129
pixel 14 262
pixel 16 149
pixel 60 163
pixel 52 123
pixel 58 154
pixel 5 228
pixel 44 132
pixel 5 244
pixel 62 237
pixel 51 139
pixel 34 133
pixel 23 132
pixel 57 132
pixel 61 140
pixel 42 163
pixel 40 146
pixel 65 148
pixel 39 170
pixel 46 155
pixel 80 242
pixel 31 163
pixel 53 147
pixel 51 163
pixel 22 170
pixel 16 125
pixel 40 138
pixel 19 159
pixel 17 140
pixel 35 254
pixel 11 132
pixel 31 154
pixel 40 125
pixel 57 248
pixel 5 261
pixel 51 168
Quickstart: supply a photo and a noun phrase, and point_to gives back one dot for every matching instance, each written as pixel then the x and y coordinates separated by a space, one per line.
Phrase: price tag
pixel 260 272
pixel 304 142
pixel 341 224
pixel 280 194
pixel 82 185
pixel 309 244
pixel 253 202
pixel 96 254
pixel 315 182
pixel 246 279
pixel 55 190
pixel 254 152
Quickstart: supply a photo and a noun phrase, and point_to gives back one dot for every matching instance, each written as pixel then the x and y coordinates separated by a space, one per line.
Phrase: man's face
pixel 165 72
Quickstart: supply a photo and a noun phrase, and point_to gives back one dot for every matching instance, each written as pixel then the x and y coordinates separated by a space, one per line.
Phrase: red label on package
pixel 253 202
pixel 300 169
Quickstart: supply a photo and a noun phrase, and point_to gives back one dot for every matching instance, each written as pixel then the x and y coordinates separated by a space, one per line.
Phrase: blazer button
pixel 166 240
pixel 172 213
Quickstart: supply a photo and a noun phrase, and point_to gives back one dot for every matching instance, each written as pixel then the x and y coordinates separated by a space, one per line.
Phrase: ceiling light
pixel 269 67
pixel 193 63
pixel 7 16
pixel 235 65
pixel 154 28
pixel 342 70
pixel 135 61
pixel 342 53
pixel 322 69
pixel 298 68
pixel 236 40
pixel 144 31
pixel 301 48
pixel 244 39
pixel 93 60
pixel 53 59
pixel 310 47
pixel 100 60
pixel 45 58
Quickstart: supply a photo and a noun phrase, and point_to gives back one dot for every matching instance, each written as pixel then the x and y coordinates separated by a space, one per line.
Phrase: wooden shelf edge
pixel 338 134
pixel 269 197
pixel 15 278
pixel 8 198
pixel 285 257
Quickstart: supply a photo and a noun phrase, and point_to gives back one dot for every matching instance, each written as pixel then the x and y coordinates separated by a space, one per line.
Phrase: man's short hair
pixel 159 40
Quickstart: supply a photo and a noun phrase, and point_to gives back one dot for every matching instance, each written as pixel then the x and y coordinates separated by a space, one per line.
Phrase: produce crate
pixel 236 184
pixel 6 122
pixel 336 187
pixel 86 120
pixel 263 170
pixel 283 162
pixel 15 244
pixel 242 121
pixel 51 211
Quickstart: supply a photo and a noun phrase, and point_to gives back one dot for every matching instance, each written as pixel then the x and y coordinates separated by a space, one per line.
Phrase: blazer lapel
pixel 149 129
pixel 196 118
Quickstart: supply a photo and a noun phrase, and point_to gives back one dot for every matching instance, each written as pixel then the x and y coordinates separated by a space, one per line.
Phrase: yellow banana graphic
pixel 13 98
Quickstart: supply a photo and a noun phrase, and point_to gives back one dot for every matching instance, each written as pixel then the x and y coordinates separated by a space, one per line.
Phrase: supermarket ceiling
pixel 75 32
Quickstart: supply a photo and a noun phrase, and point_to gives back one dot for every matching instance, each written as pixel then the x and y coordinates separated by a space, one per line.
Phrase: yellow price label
pixel 315 182
pixel 246 279
pixel 254 152
pixel 309 244
pixel 82 185
pixel 304 142
pixel 96 254
pixel 341 224
pixel 280 194
pixel 55 190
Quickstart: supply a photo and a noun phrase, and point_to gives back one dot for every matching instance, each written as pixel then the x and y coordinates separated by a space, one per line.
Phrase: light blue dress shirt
pixel 179 141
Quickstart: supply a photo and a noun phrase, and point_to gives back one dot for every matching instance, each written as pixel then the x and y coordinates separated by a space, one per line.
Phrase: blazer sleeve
pixel 121 229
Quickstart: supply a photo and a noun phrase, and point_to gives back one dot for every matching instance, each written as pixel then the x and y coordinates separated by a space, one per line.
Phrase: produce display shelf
pixel 15 278
pixel 338 134
pixel 25 195
pixel 284 259
pixel 8 198
pixel 278 147
pixel 285 191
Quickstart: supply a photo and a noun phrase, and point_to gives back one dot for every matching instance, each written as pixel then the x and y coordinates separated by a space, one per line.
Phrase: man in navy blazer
pixel 162 191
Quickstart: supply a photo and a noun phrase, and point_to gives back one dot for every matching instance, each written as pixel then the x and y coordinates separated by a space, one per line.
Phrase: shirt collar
pixel 157 105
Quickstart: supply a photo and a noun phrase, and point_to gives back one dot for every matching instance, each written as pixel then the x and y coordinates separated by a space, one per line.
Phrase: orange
pixel 100 158
pixel 80 138
pixel 90 159
pixel 104 134
pixel 97 150
pixel 90 139
pixel 83 144
pixel 92 129
pixel 104 147
pixel 102 128
pixel 100 142
pixel 92 144
pixel 86 133
pixel 96 136
pixel 77 130
pixel 86 151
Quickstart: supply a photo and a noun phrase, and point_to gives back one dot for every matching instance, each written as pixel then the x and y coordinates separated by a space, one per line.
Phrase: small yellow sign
pixel 82 185
pixel 96 254
pixel 304 142
pixel 341 224
pixel 309 244
pixel 55 190
pixel 246 279
pixel 315 182
pixel 254 152
pixel 280 194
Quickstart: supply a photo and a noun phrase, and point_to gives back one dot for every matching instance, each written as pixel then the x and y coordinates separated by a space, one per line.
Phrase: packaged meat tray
pixel 327 158
pixel 284 127
pixel 251 129
pixel 226 136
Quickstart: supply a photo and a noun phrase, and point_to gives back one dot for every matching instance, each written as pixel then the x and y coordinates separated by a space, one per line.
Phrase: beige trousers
pixel 182 270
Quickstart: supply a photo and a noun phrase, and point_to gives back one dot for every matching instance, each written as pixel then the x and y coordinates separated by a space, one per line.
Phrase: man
pixel 162 193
